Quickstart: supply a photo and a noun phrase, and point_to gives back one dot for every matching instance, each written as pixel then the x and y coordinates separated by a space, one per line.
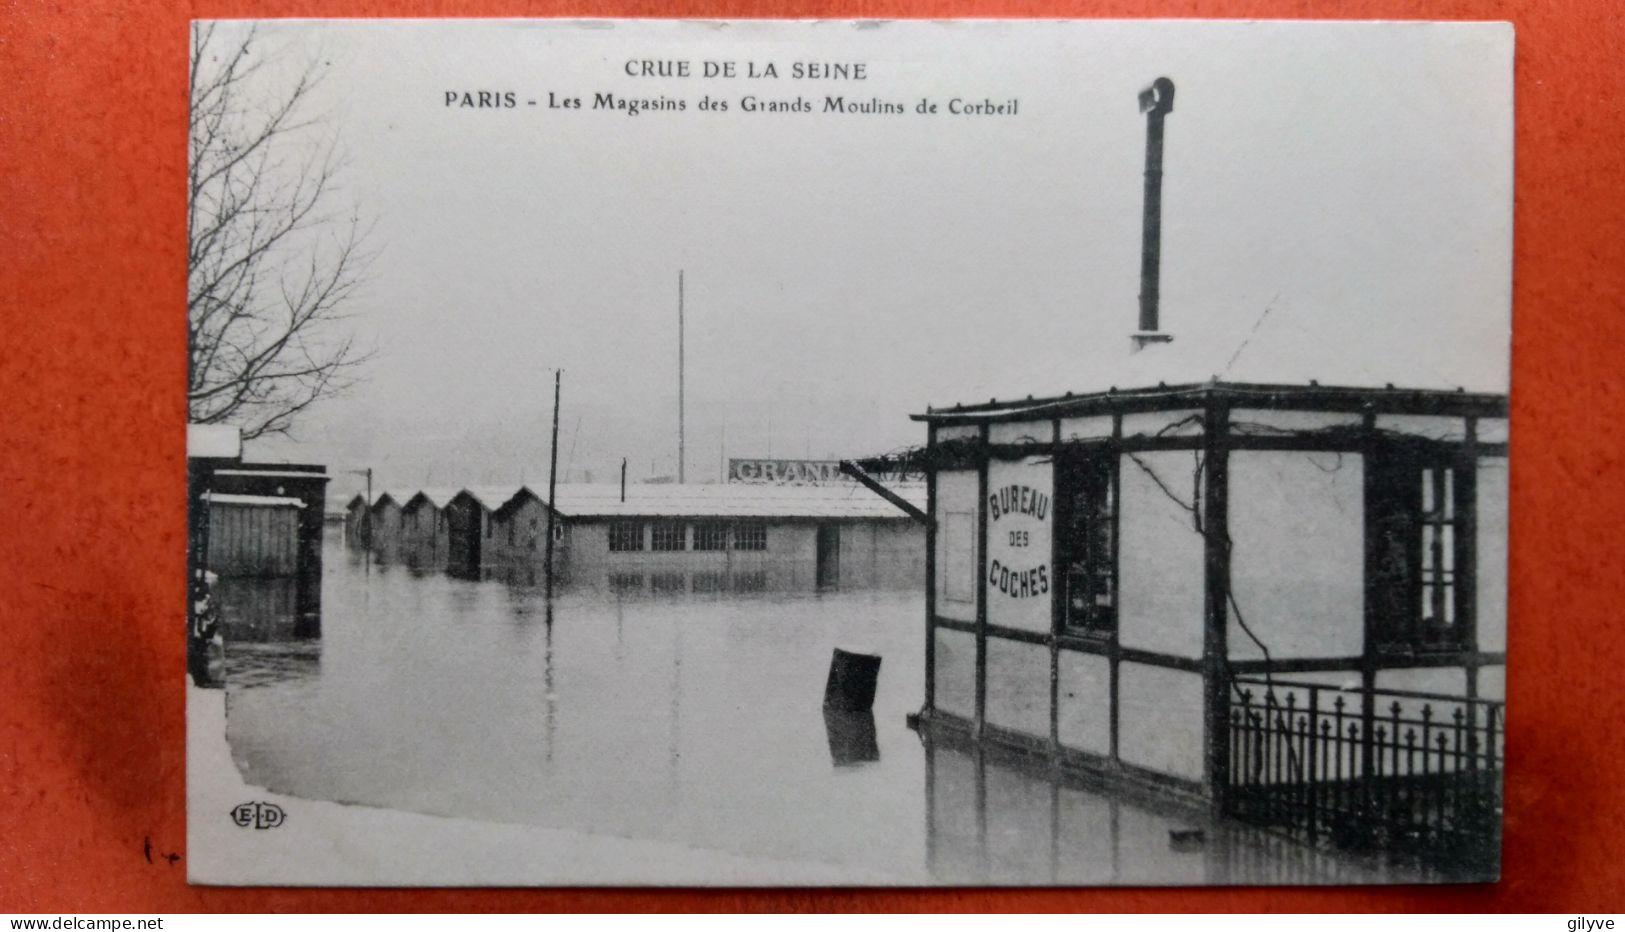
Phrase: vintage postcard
pixel 847 453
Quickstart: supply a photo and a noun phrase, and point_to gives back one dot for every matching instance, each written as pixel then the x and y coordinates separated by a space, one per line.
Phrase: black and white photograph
pixel 860 453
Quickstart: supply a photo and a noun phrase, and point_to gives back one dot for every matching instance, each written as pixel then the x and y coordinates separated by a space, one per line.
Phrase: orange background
pixel 92 368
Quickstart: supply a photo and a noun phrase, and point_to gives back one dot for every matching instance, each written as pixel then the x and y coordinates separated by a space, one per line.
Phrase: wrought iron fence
pixel 1410 773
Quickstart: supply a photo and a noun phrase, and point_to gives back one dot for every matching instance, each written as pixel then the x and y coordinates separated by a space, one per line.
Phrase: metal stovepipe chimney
pixel 1156 102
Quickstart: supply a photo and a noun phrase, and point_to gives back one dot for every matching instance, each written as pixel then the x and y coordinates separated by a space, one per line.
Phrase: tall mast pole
pixel 680 409
pixel 552 484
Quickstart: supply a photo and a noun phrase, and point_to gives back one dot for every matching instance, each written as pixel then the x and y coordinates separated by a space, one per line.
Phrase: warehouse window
pixel 1414 509
pixel 1086 504
pixel 668 535
pixel 625 536
pixel 710 535
pixel 751 535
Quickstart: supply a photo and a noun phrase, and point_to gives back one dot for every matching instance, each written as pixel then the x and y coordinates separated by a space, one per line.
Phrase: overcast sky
pixel 844 271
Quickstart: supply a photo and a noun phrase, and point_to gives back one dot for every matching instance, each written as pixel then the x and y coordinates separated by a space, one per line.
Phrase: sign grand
pixel 785 472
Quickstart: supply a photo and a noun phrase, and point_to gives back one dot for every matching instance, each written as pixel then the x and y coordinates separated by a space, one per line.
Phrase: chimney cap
pixel 1145 338
pixel 1158 98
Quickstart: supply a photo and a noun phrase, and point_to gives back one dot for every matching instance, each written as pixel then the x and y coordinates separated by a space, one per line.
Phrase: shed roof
pixel 437 497
pixel 395 495
pixel 255 501
pixel 213 441
pixel 1279 350
pixel 733 500
pixel 489 497
pixel 275 473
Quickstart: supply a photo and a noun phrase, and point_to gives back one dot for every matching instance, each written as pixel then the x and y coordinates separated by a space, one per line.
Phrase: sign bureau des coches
pixel 785 472
pixel 1018 541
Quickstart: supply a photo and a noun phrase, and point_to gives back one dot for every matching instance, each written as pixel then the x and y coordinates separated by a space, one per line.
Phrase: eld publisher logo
pixel 258 815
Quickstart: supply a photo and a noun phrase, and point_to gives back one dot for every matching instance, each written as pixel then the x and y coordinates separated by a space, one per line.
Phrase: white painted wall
pixel 1446 681
pixel 1492 553
pixel 1021 517
pixel 1298 560
pixel 1265 421
pixel 956 516
pixel 1018 686
pixel 958 432
pixel 955 681
pixel 1021 432
pixel 1160 722
pixel 1432 426
pixel 1185 422
pixel 1083 702
pixel 1160 557
pixel 1093 427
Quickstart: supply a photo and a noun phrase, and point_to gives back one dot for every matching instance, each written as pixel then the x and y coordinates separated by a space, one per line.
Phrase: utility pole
pixel 623 480
pixel 552 485
pixel 366 524
pixel 681 411
pixel 366 513
pixel 366 521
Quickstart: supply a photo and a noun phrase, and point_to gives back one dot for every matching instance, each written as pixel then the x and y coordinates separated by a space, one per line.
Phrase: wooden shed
pixel 355 521
pixel 303 483
pixel 471 530
pixel 253 535
pixel 425 539
pixel 385 526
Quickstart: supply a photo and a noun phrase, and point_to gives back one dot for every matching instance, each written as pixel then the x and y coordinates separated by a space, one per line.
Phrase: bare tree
pixel 273 256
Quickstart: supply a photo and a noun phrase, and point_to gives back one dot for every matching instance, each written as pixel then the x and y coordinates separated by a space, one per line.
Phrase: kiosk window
pixel 1086 504
pixel 1418 551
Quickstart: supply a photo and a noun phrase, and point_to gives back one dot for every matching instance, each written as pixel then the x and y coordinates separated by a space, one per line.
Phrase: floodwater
pixel 683 713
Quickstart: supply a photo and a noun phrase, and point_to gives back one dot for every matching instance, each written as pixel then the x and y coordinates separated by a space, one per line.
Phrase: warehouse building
pixel 668 537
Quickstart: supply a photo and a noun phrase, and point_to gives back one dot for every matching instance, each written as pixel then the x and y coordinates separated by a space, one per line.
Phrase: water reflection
pixel 262 609
pixel 676 706
pixel 851 737
pixel 996 818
